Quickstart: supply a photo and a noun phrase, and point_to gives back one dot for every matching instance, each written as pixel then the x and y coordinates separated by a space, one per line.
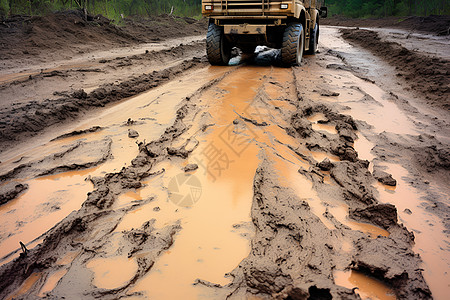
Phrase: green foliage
pixel 4 7
pixel 117 9
pixel 385 8
pixel 113 9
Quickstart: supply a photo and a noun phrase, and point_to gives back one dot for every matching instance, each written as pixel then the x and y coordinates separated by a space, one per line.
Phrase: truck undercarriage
pixel 292 26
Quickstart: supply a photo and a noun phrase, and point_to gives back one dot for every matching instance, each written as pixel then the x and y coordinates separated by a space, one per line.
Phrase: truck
pixel 289 25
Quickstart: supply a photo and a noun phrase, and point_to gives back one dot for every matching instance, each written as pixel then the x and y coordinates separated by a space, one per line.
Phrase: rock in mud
pixel 325 165
pixel 132 133
pixel 326 93
pixel 384 178
pixel 190 167
pixel 181 151
pixel 79 94
pixel 10 191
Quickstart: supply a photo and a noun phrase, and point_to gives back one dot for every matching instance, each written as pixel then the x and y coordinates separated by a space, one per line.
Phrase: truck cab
pixel 292 26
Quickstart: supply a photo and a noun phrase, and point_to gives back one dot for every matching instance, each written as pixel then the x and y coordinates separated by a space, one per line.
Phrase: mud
pixel 425 75
pixel 66 34
pixel 82 155
pixel 286 259
pixel 10 191
pixel 248 181
pixel 22 121
pixel 438 25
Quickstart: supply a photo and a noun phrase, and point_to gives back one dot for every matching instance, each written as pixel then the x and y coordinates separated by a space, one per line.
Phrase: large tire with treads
pixel 293 45
pixel 313 42
pixel 218 49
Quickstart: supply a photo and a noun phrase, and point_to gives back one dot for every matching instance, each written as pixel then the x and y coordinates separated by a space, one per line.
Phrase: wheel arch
pixel 300 15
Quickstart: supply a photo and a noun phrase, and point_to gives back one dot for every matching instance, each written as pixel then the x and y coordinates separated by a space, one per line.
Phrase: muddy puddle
pixel 367 287
pixel 216 227
pixel 51 198
pixel 431 242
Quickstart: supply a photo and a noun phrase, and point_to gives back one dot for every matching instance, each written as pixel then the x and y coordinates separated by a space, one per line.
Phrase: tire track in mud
pixel 302 177
pixel 22 121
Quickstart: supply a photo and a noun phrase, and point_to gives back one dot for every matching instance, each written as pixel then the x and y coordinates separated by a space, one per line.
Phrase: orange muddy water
pixel 368 288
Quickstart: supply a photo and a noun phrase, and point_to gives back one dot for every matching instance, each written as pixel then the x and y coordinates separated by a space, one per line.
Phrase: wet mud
pixel 240 182
pixel 436 25
pixel 25 120
pixel 66 34
pixel 424 74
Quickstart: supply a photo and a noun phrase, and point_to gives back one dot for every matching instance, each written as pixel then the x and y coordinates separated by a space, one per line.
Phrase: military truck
pixel 289 25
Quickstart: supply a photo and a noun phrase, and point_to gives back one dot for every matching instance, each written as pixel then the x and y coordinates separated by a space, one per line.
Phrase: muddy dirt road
pixel 242 182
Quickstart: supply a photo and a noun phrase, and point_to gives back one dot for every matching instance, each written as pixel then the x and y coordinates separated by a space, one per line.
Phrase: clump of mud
pixel 10 191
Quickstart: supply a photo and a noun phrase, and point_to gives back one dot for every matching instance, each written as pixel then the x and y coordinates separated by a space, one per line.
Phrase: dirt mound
pixel 30 35
pixel 439 25
pixel 163 27
pixel 426 75
pixel 68 33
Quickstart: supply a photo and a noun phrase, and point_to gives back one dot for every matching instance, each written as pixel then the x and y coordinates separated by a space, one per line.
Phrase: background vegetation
pixel 117 9
pixel 385 8
pixel 113 9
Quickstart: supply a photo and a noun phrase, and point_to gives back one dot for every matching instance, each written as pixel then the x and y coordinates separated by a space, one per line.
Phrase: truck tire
pixel 293 44
pixel 313 42
pixel 218 49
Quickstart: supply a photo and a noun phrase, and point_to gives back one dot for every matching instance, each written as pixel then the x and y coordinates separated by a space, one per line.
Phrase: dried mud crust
pixel 25 120
pixel 67 33
pixel 425 75
pixel 438 25
pixel 293 254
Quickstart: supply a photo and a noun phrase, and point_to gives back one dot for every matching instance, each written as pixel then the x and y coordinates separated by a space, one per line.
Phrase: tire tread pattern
pixel 213 45
pixel 291 36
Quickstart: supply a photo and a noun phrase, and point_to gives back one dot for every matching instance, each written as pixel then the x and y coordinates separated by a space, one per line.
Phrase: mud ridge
pixel 438 25
pixel 285 242
pixel 80 155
